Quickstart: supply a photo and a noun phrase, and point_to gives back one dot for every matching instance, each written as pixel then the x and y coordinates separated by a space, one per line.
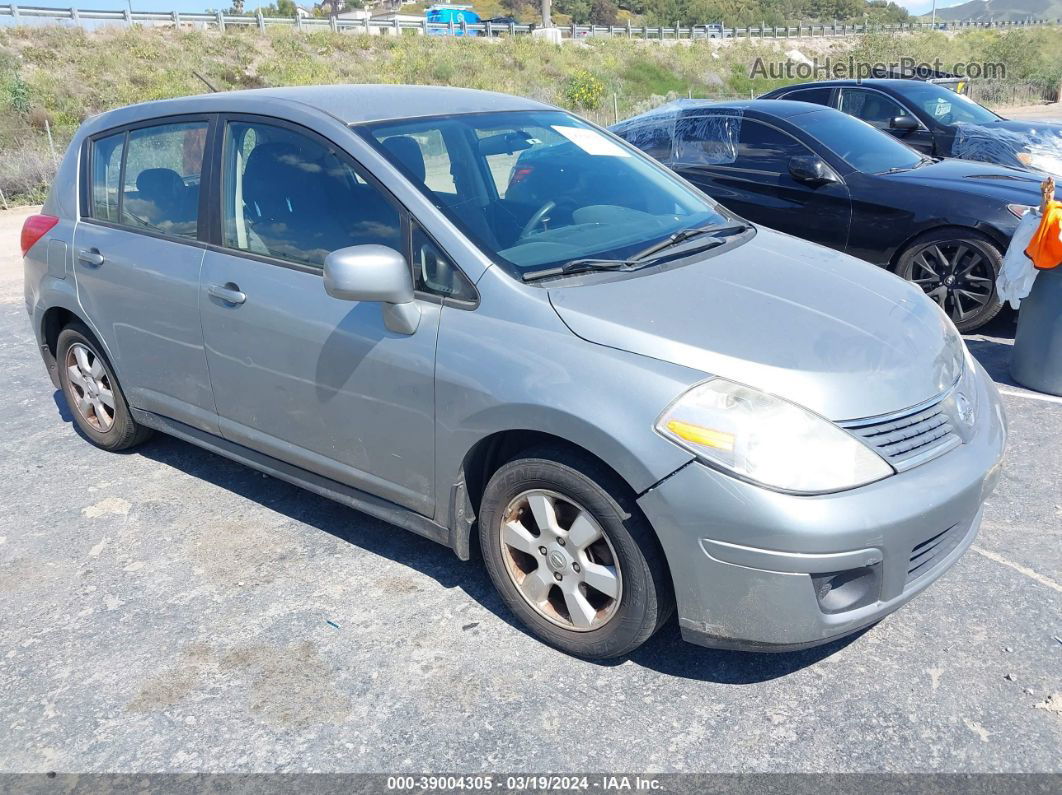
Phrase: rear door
pixel 878 110
pixel 744 164
pixel 299 375
pixel 137 256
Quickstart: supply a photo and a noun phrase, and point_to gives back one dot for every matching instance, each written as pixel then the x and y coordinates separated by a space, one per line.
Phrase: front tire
pixel 572 555
pixel 92 392
pixel 957 268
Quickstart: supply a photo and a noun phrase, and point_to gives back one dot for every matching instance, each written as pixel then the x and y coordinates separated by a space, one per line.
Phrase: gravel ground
pixel 167 610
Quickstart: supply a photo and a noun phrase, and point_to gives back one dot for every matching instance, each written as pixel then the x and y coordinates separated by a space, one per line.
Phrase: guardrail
pixel 221 21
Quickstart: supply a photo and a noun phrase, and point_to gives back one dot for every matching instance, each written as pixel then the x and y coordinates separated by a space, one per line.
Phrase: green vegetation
pixel 52 77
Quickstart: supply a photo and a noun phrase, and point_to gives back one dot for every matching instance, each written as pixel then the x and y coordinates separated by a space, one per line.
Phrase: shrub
pixel 584 90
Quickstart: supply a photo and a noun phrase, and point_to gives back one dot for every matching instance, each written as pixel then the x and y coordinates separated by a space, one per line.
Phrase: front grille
pixel 909 437
pixel 933 550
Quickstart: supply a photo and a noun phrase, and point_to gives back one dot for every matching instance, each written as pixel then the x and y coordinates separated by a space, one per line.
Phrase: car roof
pixel 777 108
pixel 879 82
pixel 350 104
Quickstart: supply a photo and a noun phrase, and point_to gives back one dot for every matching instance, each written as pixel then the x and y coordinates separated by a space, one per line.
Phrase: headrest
pixel 407 152
pixel 157 182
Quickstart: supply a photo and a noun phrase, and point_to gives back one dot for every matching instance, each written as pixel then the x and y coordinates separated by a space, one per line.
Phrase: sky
pixel 914 6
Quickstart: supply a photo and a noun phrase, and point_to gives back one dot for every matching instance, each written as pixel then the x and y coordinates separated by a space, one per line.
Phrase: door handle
pixel 90 257
pixel 229 293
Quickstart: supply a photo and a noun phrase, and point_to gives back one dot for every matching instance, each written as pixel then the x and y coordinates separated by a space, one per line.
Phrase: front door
pixel 137 261
pixel 744 165
pixel 297 374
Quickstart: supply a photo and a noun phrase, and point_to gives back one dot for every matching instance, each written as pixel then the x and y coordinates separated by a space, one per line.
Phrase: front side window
pixel 106 172
pixel 537 189
pixel 763 148
pixel 858 144
pixel 160 190
pixel 872 107
pixel 291 196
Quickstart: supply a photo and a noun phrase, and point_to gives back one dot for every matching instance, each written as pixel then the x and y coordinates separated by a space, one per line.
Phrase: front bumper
pixel 753 568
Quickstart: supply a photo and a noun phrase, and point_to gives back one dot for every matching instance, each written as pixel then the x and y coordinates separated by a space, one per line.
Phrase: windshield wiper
pixel 685 234
pixel 578 266
pixel 642 258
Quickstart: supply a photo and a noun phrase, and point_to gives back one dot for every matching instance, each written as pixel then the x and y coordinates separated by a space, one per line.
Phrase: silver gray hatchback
pixel 462 311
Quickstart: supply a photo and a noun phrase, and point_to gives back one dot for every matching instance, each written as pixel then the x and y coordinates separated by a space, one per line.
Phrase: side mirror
pixel 374 273
pixel 811 169
pixel 903 123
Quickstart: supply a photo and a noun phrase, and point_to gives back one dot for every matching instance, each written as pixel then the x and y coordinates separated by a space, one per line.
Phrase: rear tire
pixel 92 392
pixel 601 588
pixel 957 268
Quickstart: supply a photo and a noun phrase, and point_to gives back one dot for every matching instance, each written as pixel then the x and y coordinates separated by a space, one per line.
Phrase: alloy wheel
pixel 955 274
pixel 91 387
pixel 560 560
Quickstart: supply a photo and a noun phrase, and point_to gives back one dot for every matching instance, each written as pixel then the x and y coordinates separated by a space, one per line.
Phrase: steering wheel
pixel 537 218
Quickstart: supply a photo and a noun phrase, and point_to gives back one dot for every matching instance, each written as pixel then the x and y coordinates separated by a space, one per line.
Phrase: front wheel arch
pixel 991 251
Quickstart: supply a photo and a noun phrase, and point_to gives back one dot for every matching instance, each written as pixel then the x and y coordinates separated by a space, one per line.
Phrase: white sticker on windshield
pixel 591 141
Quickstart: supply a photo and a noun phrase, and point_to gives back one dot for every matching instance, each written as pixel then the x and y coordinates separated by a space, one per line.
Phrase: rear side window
pixel 160 186
pixel 106 171
pixel 820 96
pixel 289 196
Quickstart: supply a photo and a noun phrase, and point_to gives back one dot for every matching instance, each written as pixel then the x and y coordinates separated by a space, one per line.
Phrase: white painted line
pixel 1030 395
pixel 1033 575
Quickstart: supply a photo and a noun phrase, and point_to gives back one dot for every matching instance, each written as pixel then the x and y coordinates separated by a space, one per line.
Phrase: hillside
pixel 1005 10
pixel 52 78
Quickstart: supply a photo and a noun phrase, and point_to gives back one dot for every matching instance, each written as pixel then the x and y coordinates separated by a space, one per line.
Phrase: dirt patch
pixel 288 686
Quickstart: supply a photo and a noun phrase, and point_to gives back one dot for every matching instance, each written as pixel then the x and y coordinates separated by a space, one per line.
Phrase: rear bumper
pixel 758 570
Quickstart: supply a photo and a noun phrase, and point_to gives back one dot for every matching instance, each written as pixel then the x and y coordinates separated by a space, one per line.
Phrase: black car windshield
pixel 538 189
pixel 861 146
pixel 944 105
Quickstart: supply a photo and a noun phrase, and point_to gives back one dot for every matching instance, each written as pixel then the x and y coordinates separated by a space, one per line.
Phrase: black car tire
pixel 949 252
pixel 646 599
pixel 123 431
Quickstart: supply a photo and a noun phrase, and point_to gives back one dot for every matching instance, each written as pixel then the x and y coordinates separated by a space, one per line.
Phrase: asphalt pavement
pixel 168 610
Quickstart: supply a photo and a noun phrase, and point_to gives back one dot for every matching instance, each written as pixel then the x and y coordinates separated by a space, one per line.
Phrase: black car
pixel 821 175
pixel 938 121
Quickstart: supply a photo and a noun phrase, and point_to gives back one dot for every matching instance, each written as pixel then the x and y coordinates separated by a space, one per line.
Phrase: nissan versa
pixel 634 398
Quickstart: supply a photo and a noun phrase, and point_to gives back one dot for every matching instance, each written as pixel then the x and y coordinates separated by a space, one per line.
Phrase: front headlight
pixel 768 440
pixel 1041 161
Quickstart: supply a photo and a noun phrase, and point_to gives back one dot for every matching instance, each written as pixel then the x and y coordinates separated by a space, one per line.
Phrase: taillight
pixel 520 173
pixel 34 229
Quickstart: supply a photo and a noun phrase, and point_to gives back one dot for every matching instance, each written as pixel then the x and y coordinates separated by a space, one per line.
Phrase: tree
pixel 281 8
pixel 603 12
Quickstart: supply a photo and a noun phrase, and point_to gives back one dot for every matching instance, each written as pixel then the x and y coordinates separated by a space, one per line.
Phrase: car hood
pixel 1008 185
pixel 1001 141
pixel 830 332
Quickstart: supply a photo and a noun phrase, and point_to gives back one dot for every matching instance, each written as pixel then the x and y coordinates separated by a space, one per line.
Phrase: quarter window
pixel 160 187
pixel 106 172
pixel 819 96
pixel 435 273
pixel 290 196
pixel 871 106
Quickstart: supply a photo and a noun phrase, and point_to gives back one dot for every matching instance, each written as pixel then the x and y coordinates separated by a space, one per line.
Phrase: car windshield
pixel 861 146
pixel 945 106
pixel 539 189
